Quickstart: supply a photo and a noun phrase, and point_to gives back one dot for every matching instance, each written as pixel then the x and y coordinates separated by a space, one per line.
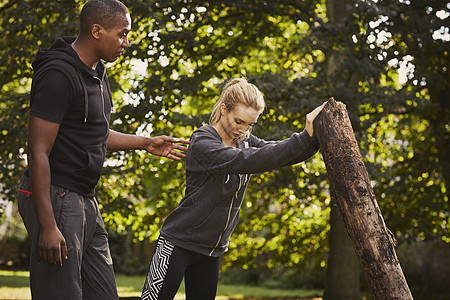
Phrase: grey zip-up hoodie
pixel 216 179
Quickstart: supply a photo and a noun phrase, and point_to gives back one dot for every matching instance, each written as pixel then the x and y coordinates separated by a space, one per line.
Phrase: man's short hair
pixel 102 12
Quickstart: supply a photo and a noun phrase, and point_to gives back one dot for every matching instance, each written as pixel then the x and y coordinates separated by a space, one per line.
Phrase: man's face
pixel 115 40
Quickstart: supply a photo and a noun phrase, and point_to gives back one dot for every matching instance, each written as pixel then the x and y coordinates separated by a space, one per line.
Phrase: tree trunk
pixel 343 271
pixel 356 201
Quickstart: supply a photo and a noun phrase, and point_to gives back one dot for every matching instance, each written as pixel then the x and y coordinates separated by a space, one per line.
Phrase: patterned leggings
pixel 167 268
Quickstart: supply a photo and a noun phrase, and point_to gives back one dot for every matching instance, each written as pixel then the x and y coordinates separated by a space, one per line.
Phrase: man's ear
pixel 97 31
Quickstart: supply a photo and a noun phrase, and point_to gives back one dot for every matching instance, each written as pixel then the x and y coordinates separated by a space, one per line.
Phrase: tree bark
pixel 373 242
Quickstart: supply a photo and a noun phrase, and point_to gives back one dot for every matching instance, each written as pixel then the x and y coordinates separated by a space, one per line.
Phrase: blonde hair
pixel 237 91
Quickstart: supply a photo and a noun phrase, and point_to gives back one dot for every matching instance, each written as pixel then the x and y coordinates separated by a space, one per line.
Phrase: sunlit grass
pixel 15 285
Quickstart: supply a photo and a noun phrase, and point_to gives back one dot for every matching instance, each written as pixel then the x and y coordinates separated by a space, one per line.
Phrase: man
pixel 68 136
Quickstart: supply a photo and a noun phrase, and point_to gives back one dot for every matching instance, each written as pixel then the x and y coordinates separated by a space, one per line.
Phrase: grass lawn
pixel 15 285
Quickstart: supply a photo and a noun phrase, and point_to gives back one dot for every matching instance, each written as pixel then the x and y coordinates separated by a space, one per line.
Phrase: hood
pixel 60 55
pixel 60 50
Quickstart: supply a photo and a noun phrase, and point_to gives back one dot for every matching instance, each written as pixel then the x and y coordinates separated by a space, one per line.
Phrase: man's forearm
pixel 120 141
pixel 39 171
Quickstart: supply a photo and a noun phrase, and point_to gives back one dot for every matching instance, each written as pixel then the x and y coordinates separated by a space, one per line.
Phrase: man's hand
pixel 167 146
pixel 310 119
pixel 41 137
pixel 52 246
pixel 159 145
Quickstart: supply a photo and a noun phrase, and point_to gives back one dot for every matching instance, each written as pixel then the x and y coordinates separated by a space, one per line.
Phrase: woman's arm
pixel 207 154
pixel 309 128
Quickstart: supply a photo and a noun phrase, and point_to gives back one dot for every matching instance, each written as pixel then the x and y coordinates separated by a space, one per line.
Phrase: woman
pixel 220 159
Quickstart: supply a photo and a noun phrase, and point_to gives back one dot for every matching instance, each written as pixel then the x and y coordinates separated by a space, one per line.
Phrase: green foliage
pixel 393 77
pixel 169 78
pixel 409 139
pixel 25 26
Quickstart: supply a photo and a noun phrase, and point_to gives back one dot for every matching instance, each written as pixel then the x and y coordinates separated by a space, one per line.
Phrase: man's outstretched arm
pixel 159 145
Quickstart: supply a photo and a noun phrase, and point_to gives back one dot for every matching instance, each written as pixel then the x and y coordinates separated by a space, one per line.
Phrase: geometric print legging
pixel 170 264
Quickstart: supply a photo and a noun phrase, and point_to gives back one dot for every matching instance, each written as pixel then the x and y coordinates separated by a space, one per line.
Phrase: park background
pixel 387 60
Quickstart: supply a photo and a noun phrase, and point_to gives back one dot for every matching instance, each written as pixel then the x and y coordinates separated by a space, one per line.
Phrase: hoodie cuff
pixel 313 140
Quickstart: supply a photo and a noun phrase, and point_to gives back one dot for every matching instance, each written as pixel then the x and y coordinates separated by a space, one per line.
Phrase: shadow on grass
pixel 14 281
pixel 15 285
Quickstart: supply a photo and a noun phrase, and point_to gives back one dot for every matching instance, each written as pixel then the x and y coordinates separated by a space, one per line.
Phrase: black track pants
pixel 167 268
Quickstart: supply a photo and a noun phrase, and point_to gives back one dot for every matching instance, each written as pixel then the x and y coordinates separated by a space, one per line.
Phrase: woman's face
pixel 234 123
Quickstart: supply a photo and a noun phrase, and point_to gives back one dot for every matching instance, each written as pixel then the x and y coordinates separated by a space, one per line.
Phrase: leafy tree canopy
pixel 181 54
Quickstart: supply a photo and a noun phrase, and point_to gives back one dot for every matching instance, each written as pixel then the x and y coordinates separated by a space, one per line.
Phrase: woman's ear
pixel 223 109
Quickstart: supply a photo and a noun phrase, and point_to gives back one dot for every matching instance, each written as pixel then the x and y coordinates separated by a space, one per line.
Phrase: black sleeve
pixel 301 155
pixel 207 154
pixel 51 96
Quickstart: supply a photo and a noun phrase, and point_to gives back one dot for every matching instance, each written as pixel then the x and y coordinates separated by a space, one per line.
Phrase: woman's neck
pixel 226 140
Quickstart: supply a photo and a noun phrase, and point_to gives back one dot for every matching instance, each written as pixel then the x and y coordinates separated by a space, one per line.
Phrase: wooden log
pixel 373 242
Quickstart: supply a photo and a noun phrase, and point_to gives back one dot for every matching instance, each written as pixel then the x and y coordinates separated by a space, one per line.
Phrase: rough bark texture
pixel 356 201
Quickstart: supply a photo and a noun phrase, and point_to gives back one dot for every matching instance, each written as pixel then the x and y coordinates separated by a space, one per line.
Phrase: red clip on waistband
pixel 28 193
